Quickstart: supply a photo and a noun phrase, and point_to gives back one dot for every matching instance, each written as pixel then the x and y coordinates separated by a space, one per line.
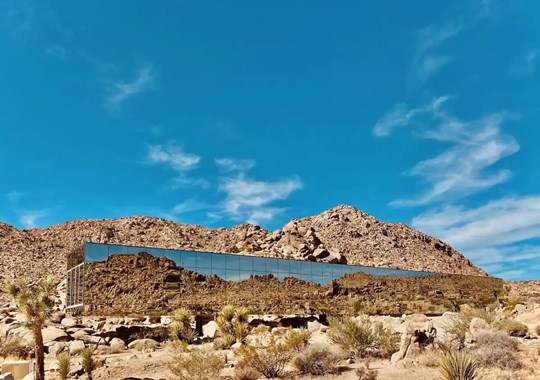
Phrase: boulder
pixel 54 334
pixel 69 322
pixel 313 326
pixel 416 336
pixel 117 344
pixel 76 347
pixel 210 330
pixel 142 344
pixel 478 324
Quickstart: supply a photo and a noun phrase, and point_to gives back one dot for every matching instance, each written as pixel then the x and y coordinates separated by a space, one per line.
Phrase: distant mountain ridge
pixel 341 234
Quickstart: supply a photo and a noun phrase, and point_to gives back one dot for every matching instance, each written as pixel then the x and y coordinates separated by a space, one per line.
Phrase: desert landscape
pixel 145 317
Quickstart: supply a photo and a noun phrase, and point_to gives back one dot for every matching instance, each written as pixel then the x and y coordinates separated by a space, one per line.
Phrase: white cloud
pixel 501 235
pixel 462 168
pixel 173 156
pixel 123 91
pixel 401 116
pixel 30 218
pixel 189 205
pixel 232 164
pixel 427 61
pixel 14 196
pixel 251 201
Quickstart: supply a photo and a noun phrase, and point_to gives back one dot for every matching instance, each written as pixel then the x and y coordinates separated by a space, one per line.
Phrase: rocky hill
pixel 341 234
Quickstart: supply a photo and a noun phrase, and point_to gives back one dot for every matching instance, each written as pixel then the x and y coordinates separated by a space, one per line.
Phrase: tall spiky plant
pixel 458 365
pixel 233 322
pixel 36 301
pixel 88 363
pixel 180 328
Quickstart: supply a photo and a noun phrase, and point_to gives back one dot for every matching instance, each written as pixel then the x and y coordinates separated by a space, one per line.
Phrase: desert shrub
pixel 457 365
pixel 88 363
pixel 233 321
pixel 64 365
pixel 363 337
pixel 513 328
pixel 429 358
pixel 495 348
pixel 224 342
pixel 364 373
pixel 260 329
pixel 10 347
pixel 459 324
pixel 316 361
pixel 245 373
pixel 354 336
pixel 197 365
pixel 180 328
pixel 269 362
pixel 297 340
pixel 387 342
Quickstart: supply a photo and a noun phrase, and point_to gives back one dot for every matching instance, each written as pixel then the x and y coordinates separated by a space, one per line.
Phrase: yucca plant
pixel 88 362
pixel 233 322
pixel 64 365
pixel 180 328
pixel 458 365
pixel 36 301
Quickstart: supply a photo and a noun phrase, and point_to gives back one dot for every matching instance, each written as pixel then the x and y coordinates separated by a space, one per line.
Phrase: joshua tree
pixel 36 301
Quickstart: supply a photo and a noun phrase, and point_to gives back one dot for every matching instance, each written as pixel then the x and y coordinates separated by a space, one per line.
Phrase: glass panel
pixel 325 280
pixel 205 271
pixel 337 271
pixel 316 268
pixel 283 265
pixel 204 260
pixel 246 263
pixel 96 252
pixel 219 261
pixel 304 277
pixel 258 264
pixel 327 270
pixel 233 262
pixel 305 267
pixel 189 260
pixel 219 272
pixel 135 250
pixel 281 276
pixel 170 254
pixel 295 267
pixel 317 279
pixel 245 275
pixel 117 249
pixel 271 266
pixel 232 275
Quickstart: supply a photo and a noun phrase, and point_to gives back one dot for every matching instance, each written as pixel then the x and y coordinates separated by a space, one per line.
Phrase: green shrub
pixel 386 341
pixel 233 322
pixel 513 328
pixel 494 348
pixel 197 365
pixel 457 365
pixel 316 361
pixel 64 365
pixel 297 340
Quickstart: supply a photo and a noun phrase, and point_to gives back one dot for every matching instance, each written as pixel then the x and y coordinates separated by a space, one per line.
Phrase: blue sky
pixel 220 112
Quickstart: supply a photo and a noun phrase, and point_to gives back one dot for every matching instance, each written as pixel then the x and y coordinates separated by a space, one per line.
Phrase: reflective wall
pixel 233 267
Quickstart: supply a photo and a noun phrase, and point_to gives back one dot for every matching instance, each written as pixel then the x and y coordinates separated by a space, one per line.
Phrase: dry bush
pixel 351 335
pixel 245 373
pixel 458 366
pixel 364 373
pixel 269 362
pixel 316 361
pixel 459 324
pixel 297 340
pixel 513 328
pixel 197 365
pixel 260 329
pixel 224 342
pixel 495 348
pixel 429 358
pixel 13 348
pixel 64 366
pixel 363 337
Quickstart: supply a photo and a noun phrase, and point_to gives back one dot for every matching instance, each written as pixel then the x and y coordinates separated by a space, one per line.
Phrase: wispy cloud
pixel 174 156
pixel 190 205
pixel 461 169
pixel 125 90
pixel 524 64
pixel 500 234
pixel 14 196
pixel 233 164
pixel 253 201
pixel 427 59
pixel 30 218
pixel 402 115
